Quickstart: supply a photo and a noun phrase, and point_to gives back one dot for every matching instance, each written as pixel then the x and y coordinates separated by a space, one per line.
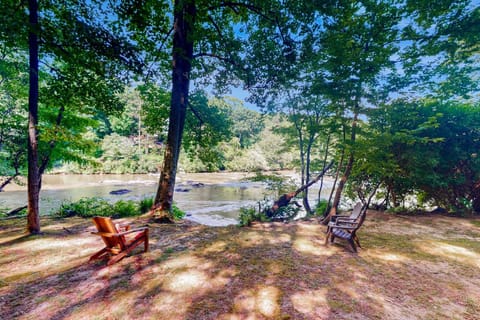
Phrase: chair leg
pixel 352 244
pixel 98 255
pixel 116 258
pixel 357 241
pixel 146 241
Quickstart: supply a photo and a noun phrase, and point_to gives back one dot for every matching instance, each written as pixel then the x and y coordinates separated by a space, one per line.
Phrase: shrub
pixel 248 215
pixel 4 212
pixel 124 208
pixel 177 213
pixel 86 208
pixel 285 213
pixel 91 207
pixel 145 205
pixel 322 207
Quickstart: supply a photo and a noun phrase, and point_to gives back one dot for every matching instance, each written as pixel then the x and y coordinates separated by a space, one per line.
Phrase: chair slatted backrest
pixel 357 211
pixel 106 225
pixel 362 218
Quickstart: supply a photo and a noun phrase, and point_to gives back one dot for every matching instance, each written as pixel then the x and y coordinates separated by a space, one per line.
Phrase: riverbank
pixel 422 267
pixel 216 202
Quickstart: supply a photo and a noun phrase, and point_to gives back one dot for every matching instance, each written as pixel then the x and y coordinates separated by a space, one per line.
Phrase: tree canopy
pixel 371 84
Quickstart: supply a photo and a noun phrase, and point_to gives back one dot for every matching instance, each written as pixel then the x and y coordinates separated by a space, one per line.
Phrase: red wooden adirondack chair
pixel 116 243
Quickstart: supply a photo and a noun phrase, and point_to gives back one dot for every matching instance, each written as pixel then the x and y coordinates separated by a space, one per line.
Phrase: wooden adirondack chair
pixel 345 227
pixel 357 210
pixel 116 243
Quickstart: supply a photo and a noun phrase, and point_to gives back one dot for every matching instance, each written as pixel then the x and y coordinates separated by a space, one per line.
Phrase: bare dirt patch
pixel 423 267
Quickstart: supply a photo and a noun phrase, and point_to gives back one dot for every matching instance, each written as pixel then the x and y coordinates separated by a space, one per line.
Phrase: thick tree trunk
pixel 184 18
pixel 33 216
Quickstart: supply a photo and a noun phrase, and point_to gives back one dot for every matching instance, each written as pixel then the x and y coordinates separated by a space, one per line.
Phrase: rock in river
pixel 120 191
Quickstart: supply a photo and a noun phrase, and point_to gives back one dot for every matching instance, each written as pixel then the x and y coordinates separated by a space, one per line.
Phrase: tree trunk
pixel 334 185
pixel 306 204
pixel 184 18
pixel 284 199
pixel 33 216
pixel 346 173
pixel 324 164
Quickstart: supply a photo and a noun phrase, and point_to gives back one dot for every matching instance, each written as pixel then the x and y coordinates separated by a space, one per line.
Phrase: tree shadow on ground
pixel 268 271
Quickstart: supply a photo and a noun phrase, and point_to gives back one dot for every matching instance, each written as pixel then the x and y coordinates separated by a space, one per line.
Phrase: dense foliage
pixel 91 207
pixel 387 89
pixel 423 148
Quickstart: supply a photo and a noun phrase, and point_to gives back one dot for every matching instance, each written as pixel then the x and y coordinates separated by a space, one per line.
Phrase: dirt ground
pixel 424 267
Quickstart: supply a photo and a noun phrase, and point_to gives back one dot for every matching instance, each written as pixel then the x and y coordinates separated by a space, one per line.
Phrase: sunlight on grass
pixel 186 261
pixel 216 247
pixel 59 302
pixel 50 244
pixel 316 247
pixel 179 289
pixel 46 255
pixel 310 229
pixel 261 238
pixel 388 257
pixel 274 271
pixel 267 301
pixel 12 238
pixel 187 281
pixel 312 304
pixel 263 300
pixel 454 252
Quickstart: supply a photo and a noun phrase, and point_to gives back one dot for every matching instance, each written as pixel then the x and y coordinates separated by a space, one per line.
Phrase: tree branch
pixel 196 114
pixel 164 41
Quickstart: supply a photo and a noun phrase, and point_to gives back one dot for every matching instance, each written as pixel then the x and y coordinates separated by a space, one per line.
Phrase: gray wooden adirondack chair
pixel 345 227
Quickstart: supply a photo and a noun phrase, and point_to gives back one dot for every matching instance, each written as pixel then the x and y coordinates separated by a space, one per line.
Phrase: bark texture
pixel 33 182
pixel 184 19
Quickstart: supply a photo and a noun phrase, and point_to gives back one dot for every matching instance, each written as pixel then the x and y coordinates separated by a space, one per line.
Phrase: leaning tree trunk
pixel 285 199
pixel 184 17
pixel 33 216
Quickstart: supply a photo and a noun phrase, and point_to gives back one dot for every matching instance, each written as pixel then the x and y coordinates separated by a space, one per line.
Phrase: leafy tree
pixel 246 124
pixel 77 58
pixel 211 42
pixel 424 147
pixel 308 118
pixel 13 97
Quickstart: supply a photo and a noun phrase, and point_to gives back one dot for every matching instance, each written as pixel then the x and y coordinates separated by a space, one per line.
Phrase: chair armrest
pixel 345 219
pixel 122 226
pixel 352 227
pixel 105 234
pixel 109 235
pixel 132 231
pixel 336 217
pixel 341 222
pixel 345 222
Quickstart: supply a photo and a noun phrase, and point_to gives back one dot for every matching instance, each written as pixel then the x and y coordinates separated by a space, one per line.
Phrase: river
pixel 216 201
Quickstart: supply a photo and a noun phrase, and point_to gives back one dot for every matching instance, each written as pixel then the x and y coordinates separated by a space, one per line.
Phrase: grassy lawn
pixel 424 267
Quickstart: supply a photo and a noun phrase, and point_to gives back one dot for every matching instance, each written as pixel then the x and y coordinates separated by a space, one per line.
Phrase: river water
pixel 216 201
